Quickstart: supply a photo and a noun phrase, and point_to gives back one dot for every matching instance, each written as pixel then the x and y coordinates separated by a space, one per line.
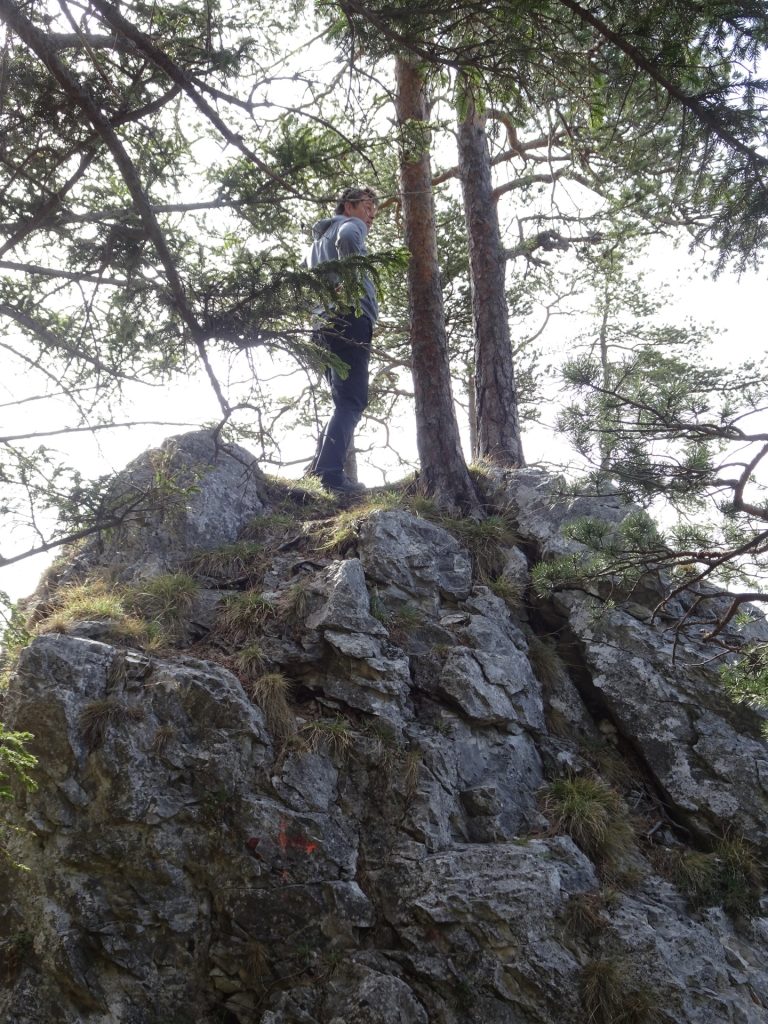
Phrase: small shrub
pixel 15 760
pixel 15 953
pixel 270 692
pixel 746 684
pixel 15 635
pixel 592 814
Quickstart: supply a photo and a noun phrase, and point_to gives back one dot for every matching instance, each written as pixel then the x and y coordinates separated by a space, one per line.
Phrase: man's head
pixel 358 201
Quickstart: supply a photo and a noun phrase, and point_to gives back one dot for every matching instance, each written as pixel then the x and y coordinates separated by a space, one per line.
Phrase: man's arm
pixel 350 241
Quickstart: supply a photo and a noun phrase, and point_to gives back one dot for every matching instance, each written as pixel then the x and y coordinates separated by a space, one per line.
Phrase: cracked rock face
pixel 368 842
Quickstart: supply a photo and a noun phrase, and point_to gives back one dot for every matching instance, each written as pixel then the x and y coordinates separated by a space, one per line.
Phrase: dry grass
pixel 592 814
pixel 611 995
pixel 242 617
pixel 243 560
pixel 270 692
pixel 730 876
pixel 334 735
pixel 412 763
pixel 256 962
pixel 98 715
pixel 100 601
pixel 163 736
pixel 167 600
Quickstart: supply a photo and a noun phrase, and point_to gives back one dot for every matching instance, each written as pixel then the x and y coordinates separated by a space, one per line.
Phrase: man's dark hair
pixel 355 194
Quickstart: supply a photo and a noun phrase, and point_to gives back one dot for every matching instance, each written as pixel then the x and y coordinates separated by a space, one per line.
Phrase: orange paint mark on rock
pixel 294 842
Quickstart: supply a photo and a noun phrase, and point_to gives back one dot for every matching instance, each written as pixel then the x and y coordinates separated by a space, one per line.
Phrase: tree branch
pixel 691 103
pixel 184 81
pixel 55 343
pixel 93 428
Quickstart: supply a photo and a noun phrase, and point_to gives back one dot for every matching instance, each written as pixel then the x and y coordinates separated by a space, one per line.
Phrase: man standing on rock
pixel 345 334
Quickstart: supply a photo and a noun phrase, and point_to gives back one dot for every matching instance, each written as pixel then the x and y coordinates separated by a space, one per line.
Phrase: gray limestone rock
pixel 194 494
pixel 414 556
pixel 679 720
pixel 343 601
pixel 364 843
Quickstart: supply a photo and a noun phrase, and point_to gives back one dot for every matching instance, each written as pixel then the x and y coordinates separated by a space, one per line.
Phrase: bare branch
pixel 93 428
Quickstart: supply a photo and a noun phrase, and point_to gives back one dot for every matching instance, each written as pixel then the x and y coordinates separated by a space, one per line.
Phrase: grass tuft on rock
pixel 271 692
pixel 242 617
pixel 98 715
pixel 729 876
pixel 244 560
pixel 486 540
pixel 511 592
pixel 545 662
pixel 251 661
pixel 166 600
pixel 334 735
pixel 611 994
pixel 99 601
pixel 592 814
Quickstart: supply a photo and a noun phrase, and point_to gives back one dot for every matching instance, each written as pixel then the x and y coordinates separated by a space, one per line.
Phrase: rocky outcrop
pixel 334 800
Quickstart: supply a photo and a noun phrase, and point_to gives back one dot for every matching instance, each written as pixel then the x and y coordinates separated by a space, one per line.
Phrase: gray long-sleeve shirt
pixel 337 237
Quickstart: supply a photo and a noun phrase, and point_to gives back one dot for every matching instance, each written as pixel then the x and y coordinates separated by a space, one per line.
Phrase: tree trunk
pixel 498 427
pixel 443 468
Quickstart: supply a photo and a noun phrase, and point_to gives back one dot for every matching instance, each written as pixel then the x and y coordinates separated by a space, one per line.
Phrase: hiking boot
pixel 344 486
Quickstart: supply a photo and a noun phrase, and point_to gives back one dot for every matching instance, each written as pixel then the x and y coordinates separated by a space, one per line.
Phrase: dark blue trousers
pixel 349 338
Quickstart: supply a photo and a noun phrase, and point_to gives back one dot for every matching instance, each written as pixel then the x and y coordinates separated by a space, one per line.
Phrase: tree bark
pixel 443 468
pixel 498 426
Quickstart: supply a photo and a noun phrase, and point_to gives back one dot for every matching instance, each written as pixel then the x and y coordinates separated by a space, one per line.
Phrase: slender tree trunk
pixel 443 468
pixel 498 427
pixel 469 382
pixel 605 444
